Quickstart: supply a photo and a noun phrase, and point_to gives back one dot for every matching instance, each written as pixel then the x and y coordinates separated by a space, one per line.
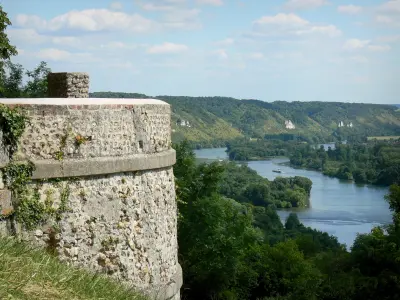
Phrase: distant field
pixel 383 138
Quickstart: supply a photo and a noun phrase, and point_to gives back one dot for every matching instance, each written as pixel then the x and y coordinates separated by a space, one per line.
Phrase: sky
pixel 293 50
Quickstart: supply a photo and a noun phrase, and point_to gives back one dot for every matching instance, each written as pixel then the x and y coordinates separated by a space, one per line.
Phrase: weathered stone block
pixel 68 85
pixel 6 206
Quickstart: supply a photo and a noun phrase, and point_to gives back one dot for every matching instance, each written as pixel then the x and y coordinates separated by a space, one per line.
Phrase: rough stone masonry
pixel 109 162
pixel 68 85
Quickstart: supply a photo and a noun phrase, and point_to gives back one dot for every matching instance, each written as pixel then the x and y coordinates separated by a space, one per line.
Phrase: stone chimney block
pixel 68 85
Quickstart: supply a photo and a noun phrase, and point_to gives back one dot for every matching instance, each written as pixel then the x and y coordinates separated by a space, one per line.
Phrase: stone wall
pixel 108 163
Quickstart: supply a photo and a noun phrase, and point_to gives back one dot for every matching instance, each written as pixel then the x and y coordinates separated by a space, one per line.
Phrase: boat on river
pixel 277 171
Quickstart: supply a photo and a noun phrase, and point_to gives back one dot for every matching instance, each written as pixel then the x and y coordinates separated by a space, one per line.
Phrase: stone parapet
pixel 109 128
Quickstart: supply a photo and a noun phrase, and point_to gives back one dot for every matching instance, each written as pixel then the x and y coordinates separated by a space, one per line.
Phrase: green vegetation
pixel 231 250
pixel 224 245
pixel 13 86
pixel 216 120
pixel 244 185
pixel 12 126
pixel 11 74
pixel 383 138
pixel 232 244
pixel 375 163
pixel 29 210
pixel 6 50
pixel 31 274
pixel 244 150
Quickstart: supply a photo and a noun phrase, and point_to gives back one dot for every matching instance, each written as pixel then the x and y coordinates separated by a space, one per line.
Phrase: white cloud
pixel 329 30
pixel 353 44
pixel 356 44
pixel 31 21
pixel 210 2
pixel 89 20
pixel 156 7
pixel 25 36
pixel 388 13
pixel 304 4
pixel 116 5
pixel 349 9
pixel 167 48
pixel 392 6
pixel 57 55
pixel 291 24
pixel 54 54
pixel 175 14
pixel 282 19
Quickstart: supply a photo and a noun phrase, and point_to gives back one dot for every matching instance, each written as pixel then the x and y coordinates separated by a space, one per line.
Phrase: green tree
pixel 12 86
pixel 284 272
pixel 376 257
pixel 36 86
pixel 6 49
pixel 304 183
pixel 213 233
pixel 292 222
pixel 258 194
pixel 214 236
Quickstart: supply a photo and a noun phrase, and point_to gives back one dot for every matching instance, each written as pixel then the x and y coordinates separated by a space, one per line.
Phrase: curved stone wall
pixel 110 162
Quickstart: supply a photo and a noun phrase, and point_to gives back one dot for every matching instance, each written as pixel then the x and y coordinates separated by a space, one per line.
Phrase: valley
pixel 338 207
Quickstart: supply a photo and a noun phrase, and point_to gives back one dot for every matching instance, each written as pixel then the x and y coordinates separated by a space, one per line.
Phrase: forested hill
pixel 212 120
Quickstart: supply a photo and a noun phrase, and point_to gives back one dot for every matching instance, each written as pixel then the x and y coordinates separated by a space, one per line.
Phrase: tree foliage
pixel 13 85
pixel 12 74
pixel 376 163
pixel 232 250
pixel 6 49
pixel 244 185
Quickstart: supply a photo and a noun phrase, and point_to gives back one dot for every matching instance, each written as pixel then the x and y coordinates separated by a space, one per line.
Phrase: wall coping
pixel 80 101
pixel 102 165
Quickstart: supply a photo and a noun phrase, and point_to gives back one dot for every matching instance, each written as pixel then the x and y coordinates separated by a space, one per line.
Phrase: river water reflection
pixel 338 207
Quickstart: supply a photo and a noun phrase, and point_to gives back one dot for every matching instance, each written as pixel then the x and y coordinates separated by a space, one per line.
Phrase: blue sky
pixel 306 50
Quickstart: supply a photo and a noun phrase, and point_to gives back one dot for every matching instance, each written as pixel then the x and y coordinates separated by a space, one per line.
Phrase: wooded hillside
pixel 213 120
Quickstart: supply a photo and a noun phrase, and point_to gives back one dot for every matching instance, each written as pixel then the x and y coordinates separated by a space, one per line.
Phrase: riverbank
pixel 338 207
pixel 376 163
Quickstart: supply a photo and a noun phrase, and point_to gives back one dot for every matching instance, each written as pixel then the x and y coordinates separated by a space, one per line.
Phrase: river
pixel 340 208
